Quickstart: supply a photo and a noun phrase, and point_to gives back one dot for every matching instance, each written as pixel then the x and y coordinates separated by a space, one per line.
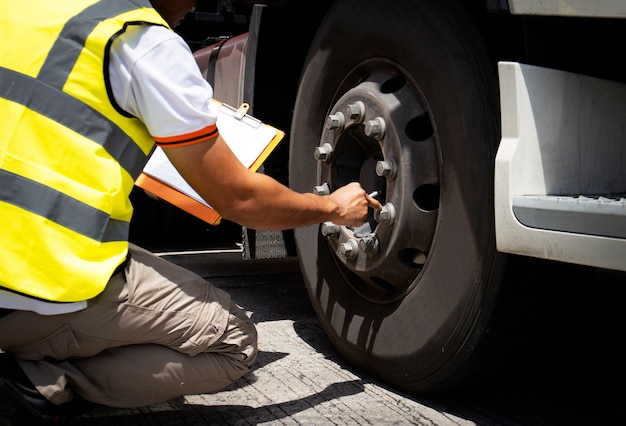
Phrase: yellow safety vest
pixel 69 155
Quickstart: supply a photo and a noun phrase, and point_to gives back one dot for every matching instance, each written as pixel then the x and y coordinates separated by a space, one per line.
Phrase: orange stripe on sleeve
pixel 205 134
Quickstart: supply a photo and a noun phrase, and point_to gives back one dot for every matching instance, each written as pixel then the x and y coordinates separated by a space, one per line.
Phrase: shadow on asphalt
pixel 184 413
pixel 565 376
pixel 568 370
pixel 278 411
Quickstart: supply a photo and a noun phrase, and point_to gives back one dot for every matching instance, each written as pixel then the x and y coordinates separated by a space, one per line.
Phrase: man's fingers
pixel 373 202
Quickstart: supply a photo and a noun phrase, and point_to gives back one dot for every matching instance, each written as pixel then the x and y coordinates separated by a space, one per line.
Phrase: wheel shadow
pixel 558 370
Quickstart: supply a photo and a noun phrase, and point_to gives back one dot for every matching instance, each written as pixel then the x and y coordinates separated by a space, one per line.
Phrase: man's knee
pixel 249 345
pixel 242 336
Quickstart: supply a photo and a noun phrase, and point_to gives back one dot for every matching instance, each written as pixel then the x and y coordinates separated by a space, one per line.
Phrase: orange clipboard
pixel 249 138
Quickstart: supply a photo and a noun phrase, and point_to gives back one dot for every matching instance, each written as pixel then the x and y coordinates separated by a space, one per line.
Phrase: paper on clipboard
pixel 250 140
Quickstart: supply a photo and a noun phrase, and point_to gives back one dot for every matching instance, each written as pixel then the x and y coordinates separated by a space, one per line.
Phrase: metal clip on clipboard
pixel 241 114
pixel 242 111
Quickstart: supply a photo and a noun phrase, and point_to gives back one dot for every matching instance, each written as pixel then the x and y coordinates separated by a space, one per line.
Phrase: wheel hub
pixel 379 134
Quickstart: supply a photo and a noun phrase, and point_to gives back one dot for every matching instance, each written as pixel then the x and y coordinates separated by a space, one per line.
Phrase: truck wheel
pixel 400 96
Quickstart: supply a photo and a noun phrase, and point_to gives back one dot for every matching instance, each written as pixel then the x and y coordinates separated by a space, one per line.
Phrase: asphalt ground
pixel 300 378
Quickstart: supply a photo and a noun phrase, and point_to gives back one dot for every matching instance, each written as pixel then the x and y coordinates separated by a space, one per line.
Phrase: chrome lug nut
pixel 356 111
pixel 376 128
pixel 386 215
pixel 322 189
pixel 336 122
pixel 348 249
pixel 386 168
pixel 324 152
pixel 330 230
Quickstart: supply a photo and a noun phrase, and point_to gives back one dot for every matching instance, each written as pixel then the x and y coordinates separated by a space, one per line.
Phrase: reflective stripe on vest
pixel 74 114
pixel 68 158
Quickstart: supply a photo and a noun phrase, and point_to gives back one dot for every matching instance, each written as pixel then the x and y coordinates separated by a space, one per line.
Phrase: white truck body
pixel 560 175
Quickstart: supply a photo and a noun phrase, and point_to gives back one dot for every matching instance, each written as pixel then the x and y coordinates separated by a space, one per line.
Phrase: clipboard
pixel 249 138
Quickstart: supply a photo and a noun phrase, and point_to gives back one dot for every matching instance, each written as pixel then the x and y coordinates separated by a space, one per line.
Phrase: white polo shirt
pixel 154 76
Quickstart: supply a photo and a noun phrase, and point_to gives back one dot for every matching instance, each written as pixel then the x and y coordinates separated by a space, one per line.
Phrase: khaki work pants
pixel 157 332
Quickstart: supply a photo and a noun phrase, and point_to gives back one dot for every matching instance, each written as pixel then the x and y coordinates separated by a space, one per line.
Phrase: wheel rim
pixel 379 132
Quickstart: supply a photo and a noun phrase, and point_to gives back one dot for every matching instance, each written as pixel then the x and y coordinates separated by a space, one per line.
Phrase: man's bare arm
pixel 257 201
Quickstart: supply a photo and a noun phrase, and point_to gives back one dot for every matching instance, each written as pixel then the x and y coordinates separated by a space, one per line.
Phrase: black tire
pixel 413 310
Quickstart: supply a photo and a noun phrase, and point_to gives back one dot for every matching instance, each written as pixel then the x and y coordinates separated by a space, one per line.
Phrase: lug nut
pixel 348 249
pixel 336 122
pixel 324 152
pixel 386 168
pixel 356 111
pixel 386 215
pixel 369 244
pixel 323 189
pixel 376 128
pixel 330 230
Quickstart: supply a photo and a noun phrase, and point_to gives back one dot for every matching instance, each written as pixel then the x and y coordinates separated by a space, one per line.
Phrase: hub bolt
pixel 386 215
pixel 330 230
pixel 322 189
pixel 386 168
pixel 369 244
pixel 336 122
pixel 348 249
pixel 324 152
pixel 356 111
pixel 376 128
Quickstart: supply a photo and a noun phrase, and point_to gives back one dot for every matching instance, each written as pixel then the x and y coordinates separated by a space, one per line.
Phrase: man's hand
pixel 353 202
